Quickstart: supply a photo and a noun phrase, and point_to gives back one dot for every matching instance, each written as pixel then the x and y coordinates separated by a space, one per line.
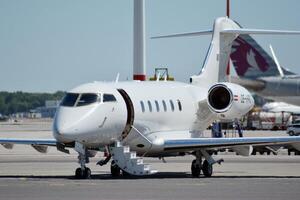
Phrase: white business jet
pixel 156 119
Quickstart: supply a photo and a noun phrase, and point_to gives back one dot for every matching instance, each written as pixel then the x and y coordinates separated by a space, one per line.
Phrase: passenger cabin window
pixel 157 106
pixel 109 98
pixel 179 105
pixel 172 105
pixel 164 105
pixel 87 98
pixel 150 106
pixel 69 100
pixel 142 106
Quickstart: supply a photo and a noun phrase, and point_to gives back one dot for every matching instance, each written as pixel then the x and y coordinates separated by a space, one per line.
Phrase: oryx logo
pixel 245 56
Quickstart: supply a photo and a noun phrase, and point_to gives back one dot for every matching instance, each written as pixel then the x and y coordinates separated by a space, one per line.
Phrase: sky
pixel 50 45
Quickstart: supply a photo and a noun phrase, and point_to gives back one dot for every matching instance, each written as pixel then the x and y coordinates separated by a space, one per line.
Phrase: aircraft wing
pixel 40 145
pixel 220 143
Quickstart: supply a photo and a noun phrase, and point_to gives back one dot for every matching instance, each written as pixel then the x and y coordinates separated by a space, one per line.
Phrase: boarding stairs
pixel 129 162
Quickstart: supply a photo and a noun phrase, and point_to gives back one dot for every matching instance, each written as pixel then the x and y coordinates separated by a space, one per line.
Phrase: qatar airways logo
pixel 244 56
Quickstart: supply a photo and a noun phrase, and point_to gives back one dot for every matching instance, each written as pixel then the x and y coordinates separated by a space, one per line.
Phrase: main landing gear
pixel 206 166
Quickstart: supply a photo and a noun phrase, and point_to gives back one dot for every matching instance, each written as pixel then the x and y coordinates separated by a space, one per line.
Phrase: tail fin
pixel 251 61
pixel 217 57
pixel 213 69
pixel 225 32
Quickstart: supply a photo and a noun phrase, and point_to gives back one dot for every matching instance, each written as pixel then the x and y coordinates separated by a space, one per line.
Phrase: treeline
pixel 13 102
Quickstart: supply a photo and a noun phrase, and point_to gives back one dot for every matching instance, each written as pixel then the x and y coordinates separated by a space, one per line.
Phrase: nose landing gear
pixel 82 172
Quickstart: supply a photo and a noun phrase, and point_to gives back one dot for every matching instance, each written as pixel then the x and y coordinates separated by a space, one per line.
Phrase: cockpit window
pixel 109 98
pixel 75 99
pixel 69 100
pixel 87 98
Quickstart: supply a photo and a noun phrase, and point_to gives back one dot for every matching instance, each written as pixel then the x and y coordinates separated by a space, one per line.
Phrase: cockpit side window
pixel 109 98
pixel 88 98
pixel 69 100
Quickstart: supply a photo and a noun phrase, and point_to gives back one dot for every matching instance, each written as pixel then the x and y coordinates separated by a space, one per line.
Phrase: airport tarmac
pixel 27 174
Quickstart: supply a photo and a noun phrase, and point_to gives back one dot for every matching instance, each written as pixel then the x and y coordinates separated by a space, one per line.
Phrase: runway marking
pixel 57 184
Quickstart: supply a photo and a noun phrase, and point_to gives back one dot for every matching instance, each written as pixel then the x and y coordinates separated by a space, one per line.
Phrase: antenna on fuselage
pixel 117 78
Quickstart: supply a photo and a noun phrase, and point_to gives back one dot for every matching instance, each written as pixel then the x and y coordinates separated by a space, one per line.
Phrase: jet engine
pixel 229 101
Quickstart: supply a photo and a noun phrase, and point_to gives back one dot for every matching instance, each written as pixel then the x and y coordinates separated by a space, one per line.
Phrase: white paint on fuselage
pixel 85 124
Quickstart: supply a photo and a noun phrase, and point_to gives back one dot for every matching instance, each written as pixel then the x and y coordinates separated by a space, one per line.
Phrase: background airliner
pixel 281 107
pixel 259 72
pixel 156 119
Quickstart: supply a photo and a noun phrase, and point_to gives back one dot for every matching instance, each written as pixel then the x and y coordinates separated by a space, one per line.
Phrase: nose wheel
pixel 83 174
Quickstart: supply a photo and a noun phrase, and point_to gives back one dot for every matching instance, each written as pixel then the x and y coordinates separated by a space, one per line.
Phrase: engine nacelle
pixel 229 101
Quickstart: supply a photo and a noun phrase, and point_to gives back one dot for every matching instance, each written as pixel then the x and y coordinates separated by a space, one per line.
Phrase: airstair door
pixel 130 113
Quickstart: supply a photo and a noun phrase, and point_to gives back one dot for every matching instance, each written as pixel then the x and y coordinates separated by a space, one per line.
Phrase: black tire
pixel 115 169
pixel 195 169
pixel 78 174
pixel 125 174
pixel 207 169
pixel 87 173
pixel 291 133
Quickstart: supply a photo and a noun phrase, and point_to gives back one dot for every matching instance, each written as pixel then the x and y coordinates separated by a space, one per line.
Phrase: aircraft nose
pixel 63 123
pixel 60 128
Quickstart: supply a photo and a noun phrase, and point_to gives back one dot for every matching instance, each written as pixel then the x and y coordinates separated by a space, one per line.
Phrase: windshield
pixel 74 99
pixel 86 99
pixel 69 100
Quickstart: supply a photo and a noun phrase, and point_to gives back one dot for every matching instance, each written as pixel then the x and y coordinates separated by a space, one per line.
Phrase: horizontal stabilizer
pixel 205 32
pixel 252 84
pixel 260 31
pixel 240 31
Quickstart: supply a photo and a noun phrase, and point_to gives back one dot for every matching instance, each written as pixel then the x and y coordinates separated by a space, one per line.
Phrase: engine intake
pixel 219 97
pixel 229 101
